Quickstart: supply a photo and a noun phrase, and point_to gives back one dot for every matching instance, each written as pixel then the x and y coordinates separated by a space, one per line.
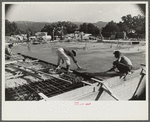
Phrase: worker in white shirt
pixel 123 64
pixel 65 55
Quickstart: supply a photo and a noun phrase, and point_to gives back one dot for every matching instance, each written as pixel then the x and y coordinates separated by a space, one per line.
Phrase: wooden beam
pixel 74 94
pixel 106 88
pixel 87 83
pixel 10 62
pixel 43 96
pixel 26 72
pixel 97 80
pixel 36 71
pixel 109 91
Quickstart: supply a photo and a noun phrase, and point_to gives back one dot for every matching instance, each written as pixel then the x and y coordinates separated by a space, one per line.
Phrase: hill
pixel 100 24
pixel 37 26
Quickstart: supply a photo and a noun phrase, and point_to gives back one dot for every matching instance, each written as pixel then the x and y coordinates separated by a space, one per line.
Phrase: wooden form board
pixel 9 62
pixel 74 94
pixel 122 89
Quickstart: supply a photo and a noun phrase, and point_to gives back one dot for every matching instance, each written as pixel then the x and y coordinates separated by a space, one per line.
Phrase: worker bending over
pixel 123 64
pixel 63 55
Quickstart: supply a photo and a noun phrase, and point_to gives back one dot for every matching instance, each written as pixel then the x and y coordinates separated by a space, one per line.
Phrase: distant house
pixel 24 36
pixel 32 37
pixel 47 38
pixel 86 36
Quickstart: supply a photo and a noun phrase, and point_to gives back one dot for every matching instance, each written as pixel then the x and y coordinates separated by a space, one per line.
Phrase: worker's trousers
pixel 62 55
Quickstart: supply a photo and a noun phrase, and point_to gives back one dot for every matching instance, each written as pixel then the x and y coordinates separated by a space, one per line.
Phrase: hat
pixel 74 52
pixel 117 52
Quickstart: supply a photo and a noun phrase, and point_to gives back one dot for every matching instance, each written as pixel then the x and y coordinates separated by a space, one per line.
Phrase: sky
pixel 71 11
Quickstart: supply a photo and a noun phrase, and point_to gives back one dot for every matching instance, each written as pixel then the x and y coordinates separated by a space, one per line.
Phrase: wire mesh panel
pixel 27 81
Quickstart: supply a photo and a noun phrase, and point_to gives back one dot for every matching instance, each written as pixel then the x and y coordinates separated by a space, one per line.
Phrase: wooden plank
pixel 99 93
pixel 43 96
pixel 97 80
pixel 87 83
pixel 106 88
pixel 109 91
pixel 29 73
pixel 36 71
pixel 10 62
pixel 32 61
pixel 74 94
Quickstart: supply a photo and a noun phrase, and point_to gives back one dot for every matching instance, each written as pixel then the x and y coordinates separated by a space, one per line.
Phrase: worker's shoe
pixel 130 72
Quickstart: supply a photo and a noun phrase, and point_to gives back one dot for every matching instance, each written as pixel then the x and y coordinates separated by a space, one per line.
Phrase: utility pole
pixel 53 33
pixel 62 32
pixel 101 36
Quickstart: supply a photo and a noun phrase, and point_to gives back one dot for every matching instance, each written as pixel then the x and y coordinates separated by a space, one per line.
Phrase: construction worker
pixel 8 51
pixel 123 64
pixel 64 54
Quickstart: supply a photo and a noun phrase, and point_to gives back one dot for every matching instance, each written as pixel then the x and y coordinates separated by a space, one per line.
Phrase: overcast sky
pixel 72 11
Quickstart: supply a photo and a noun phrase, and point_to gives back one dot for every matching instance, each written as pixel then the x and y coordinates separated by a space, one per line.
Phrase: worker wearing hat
pixel 64 54
pixel 8 51
pixel 123 64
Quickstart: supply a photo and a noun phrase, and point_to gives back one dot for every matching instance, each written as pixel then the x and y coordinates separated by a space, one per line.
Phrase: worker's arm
pixel 79 67
pixel 114 66
pixel 112 69
pixel 75 61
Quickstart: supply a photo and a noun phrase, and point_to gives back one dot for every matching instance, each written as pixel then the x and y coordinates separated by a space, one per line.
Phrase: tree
pixel 83 27
pixel 89 28
pixel 123 27
pixel 59 28
pixel 128 20
pixel 139 24
pixel 11 28
pixel 48 29
pixel 29 30
pixel 92 29
pixel 111 27
pixel 136 23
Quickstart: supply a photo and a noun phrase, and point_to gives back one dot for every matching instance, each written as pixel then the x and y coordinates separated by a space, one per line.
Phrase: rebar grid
pixel 49 87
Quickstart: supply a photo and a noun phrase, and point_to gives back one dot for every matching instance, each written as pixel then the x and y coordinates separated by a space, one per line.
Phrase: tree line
pixel 128 25
pixel 12 29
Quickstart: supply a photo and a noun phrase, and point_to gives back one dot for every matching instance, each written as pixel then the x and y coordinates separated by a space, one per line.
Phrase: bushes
pixel 117 35
pixel 142 36
pixel 106 34
pixel 132 35
pixel 120 35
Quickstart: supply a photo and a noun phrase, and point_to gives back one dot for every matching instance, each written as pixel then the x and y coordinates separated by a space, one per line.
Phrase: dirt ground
pixel 96 57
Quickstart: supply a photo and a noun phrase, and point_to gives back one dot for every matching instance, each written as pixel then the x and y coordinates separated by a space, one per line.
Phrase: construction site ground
pixel 93 57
